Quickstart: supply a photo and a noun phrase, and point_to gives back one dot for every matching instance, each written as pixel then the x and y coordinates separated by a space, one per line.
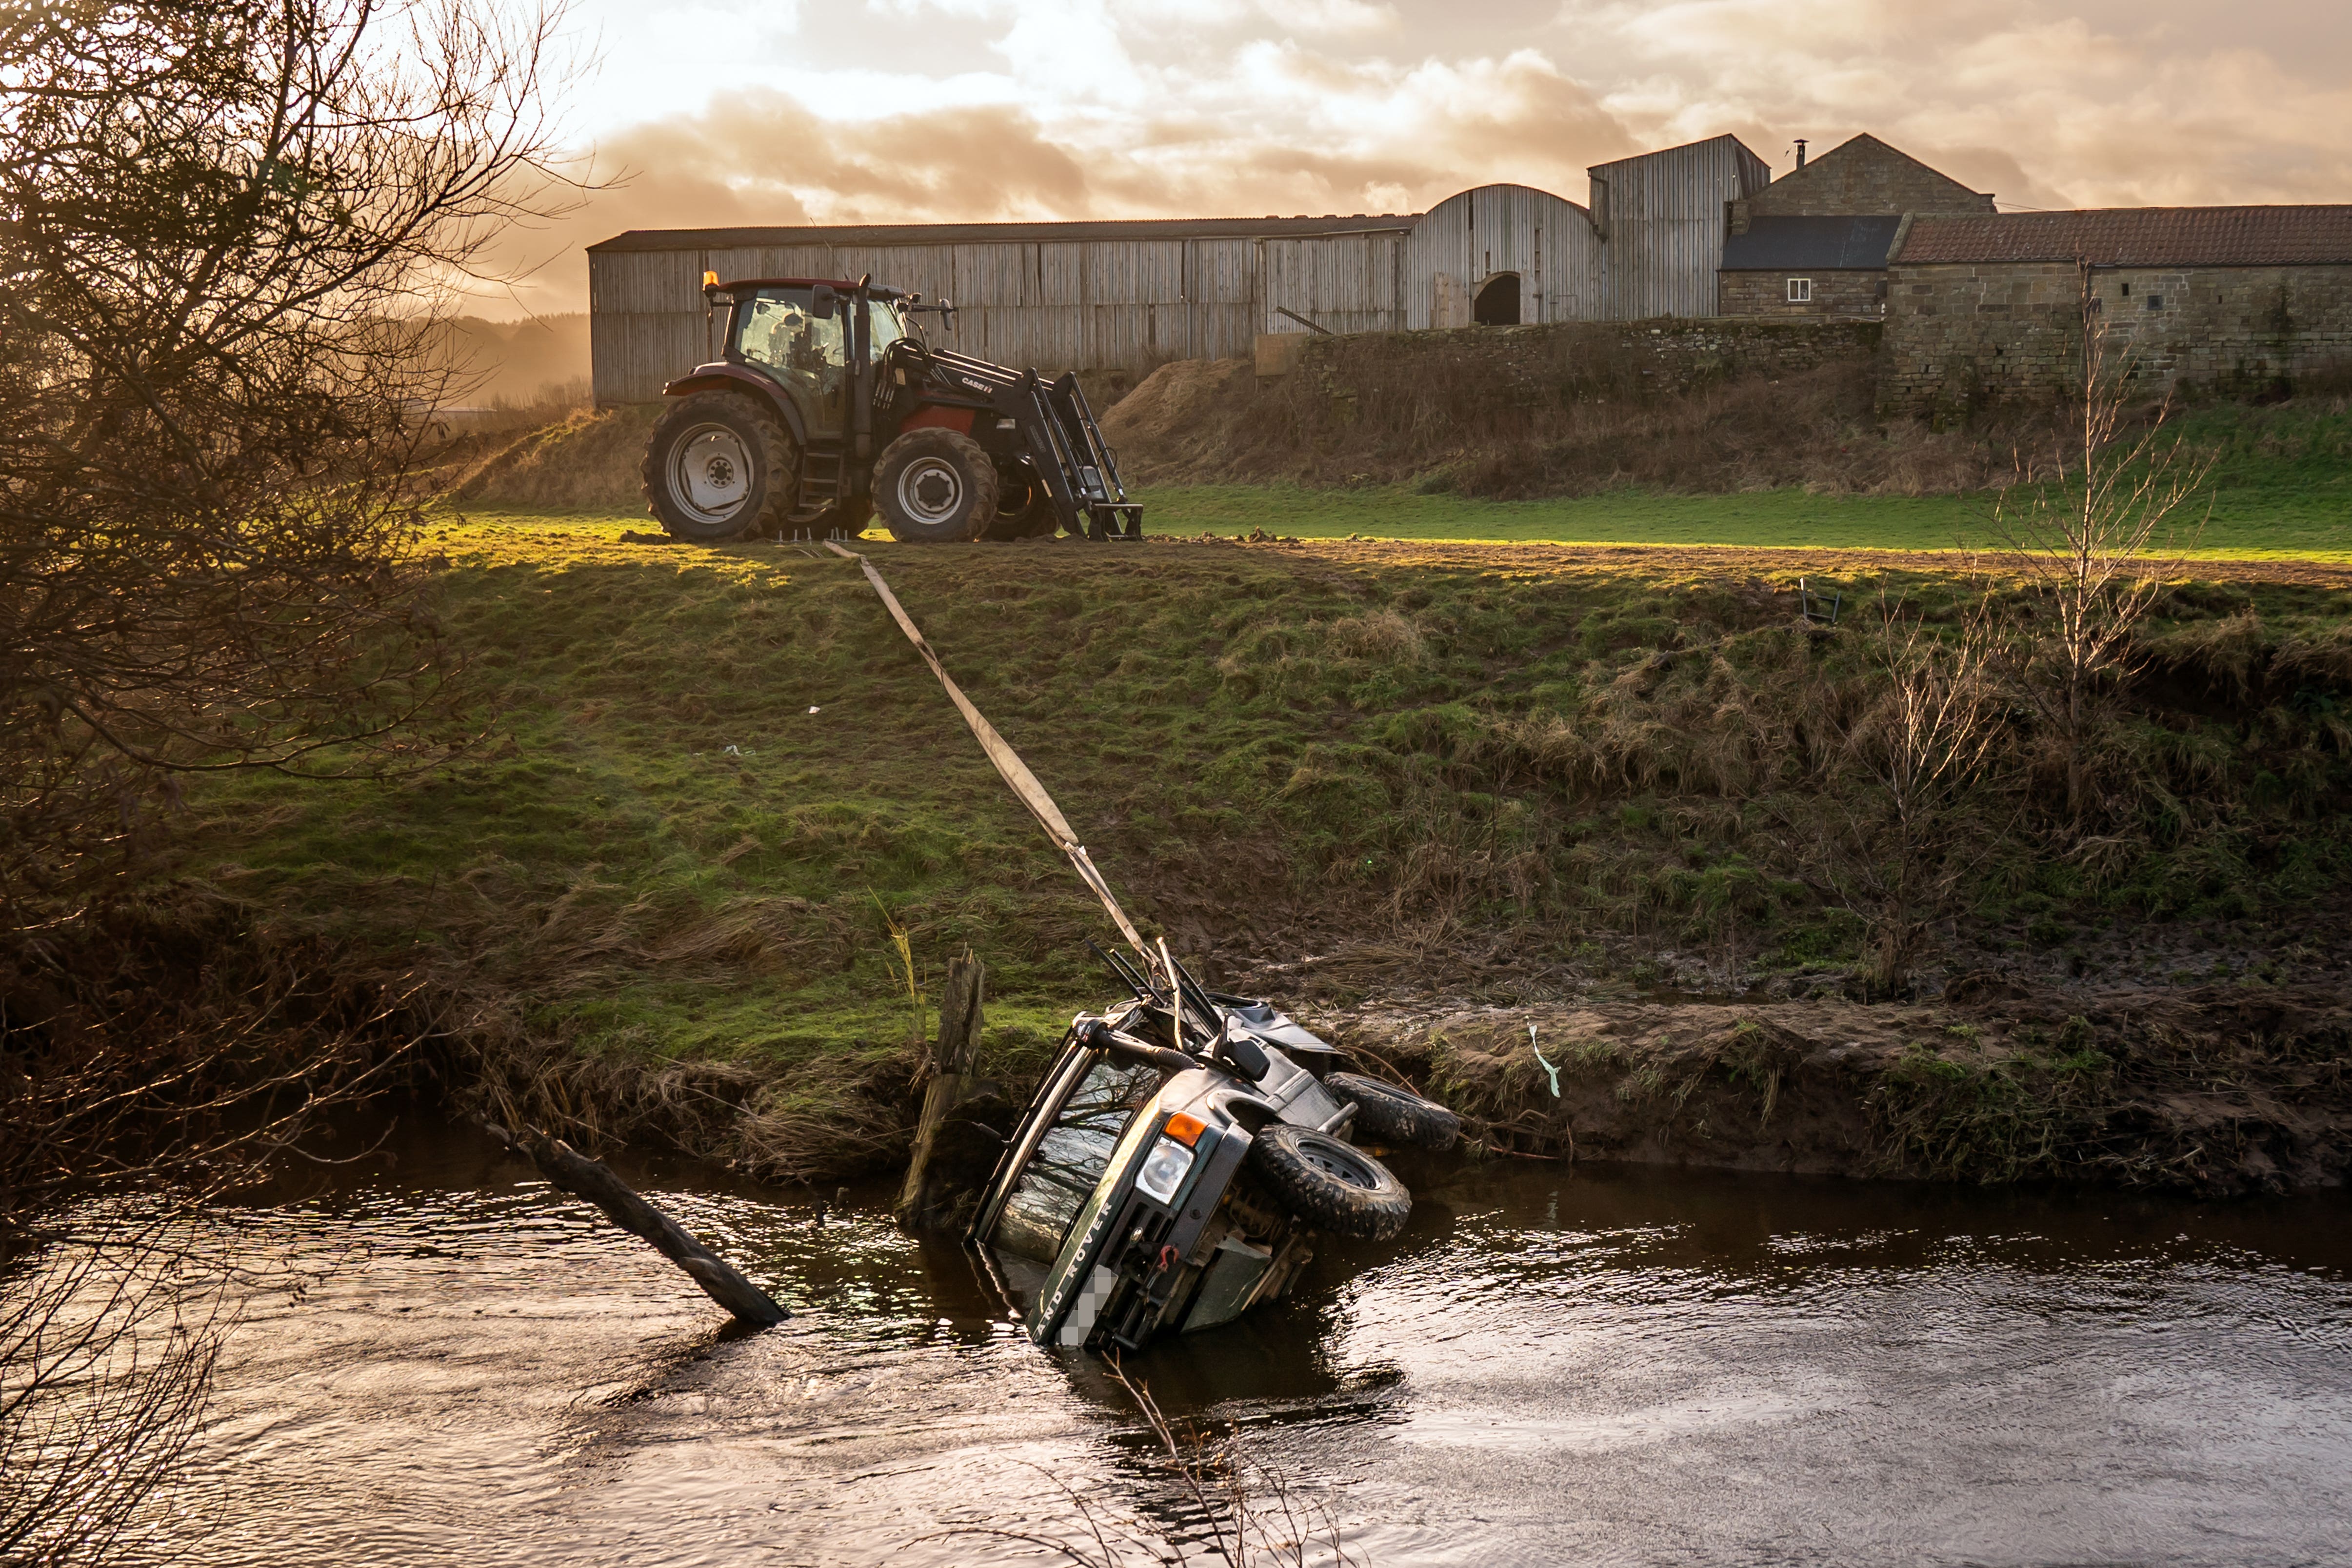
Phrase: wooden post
pixel 576 1173
pixel 923 1202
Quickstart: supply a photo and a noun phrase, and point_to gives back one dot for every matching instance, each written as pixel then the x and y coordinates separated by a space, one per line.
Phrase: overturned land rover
pixel 1184 1153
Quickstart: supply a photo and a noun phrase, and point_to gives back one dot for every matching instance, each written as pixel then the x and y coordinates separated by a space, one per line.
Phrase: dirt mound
pixel 586 463
pixel 1380 411
pixel 1172 429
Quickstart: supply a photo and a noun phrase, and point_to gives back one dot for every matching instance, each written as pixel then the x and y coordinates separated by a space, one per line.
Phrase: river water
pixel 1590 1365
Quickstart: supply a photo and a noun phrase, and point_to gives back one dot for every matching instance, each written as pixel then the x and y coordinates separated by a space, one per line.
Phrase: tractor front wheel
pixel 719 466
pixel 935 485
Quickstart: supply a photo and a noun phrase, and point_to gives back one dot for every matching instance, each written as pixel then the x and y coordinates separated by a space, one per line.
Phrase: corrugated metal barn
pixel 1123 297
pixel 1091 296
pixel 1508 253
pixel 1661 220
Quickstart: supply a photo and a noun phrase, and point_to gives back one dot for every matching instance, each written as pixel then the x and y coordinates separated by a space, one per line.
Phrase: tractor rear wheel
pixel 935 485
pixel 719 466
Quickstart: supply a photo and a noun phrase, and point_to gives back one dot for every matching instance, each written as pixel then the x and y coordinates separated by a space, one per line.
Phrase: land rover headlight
pixel 1163 1169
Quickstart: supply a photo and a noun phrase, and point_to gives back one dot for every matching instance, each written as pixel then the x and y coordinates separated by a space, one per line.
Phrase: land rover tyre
pixel 719 467
pixel 1331 1185
pixel 1388 1114
pixel 935 485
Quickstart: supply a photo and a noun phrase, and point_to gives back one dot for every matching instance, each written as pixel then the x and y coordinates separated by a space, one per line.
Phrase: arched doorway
pixel 1497 304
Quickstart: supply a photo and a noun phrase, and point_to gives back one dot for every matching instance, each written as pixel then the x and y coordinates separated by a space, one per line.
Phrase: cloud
pixel 1286 130
pixel 981 109
pixel 2047 108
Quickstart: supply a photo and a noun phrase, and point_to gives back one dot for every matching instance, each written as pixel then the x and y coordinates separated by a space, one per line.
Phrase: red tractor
pixel 821 376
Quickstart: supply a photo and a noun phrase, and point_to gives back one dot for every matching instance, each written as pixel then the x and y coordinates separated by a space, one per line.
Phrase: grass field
pixel 710 781
pixel 2313 522
pixel 2310 520
pixel 2246 523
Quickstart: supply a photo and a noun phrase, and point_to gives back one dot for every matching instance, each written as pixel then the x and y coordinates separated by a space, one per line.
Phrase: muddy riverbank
pixel 2212 1090
pixel 2215 1089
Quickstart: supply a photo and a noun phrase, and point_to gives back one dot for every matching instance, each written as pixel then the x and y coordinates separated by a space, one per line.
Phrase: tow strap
pixel 1008 761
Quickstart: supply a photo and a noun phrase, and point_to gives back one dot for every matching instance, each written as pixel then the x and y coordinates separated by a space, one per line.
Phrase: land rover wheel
pixel 1330 1185
pixel 935 485
pixel 1388 1114
pixel 719 466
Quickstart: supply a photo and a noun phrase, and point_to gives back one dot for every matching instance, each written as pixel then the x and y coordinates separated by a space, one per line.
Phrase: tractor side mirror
pixel 821 301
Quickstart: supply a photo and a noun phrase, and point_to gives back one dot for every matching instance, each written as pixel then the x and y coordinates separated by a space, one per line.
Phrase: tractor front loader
pixel 830 405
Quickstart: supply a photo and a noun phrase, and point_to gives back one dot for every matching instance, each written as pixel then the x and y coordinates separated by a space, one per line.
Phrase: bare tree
pixel 131 1098
pixel 2087 534
pixel 225 233
pixel 1918 749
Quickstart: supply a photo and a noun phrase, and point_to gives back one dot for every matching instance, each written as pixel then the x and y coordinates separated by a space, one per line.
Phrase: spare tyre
pixel 1330 1185
pixel 1388 1114
pixel 935 485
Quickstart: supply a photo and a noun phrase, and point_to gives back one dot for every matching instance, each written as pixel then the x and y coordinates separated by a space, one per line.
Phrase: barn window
pixel 1497 304
pixel 1800 291
pixel 2155 301
pixel 2127 291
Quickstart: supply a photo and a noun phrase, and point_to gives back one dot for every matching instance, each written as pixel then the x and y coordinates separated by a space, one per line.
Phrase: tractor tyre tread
pixel 1279 1155
pixel 977 473
pixel 772 446
pixel 1388 1114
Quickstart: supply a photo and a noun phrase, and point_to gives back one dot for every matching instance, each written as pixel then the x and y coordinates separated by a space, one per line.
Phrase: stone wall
pixel 1576 359
pixel 1960 336
pixel 1835 293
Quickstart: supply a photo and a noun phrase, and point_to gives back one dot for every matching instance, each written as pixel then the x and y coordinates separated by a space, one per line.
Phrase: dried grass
pixel 1395 408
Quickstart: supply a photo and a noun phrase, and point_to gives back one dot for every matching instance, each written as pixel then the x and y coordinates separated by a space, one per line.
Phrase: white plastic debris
pixel 812 707
pixel 733 751
pixel 1548 1067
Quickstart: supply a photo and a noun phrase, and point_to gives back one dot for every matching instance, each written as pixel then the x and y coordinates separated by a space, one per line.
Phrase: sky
pixel 717 112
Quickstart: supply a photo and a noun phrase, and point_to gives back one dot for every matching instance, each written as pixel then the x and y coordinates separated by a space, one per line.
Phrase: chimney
pixel 1801 151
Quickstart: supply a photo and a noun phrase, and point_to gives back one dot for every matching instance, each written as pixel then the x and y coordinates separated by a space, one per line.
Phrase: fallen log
pixel 570 1171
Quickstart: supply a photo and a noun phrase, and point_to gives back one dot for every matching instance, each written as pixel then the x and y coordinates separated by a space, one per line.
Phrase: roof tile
pixel 2139 236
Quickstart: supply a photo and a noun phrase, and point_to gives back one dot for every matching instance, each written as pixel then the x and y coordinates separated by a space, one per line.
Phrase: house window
pixel 1800 291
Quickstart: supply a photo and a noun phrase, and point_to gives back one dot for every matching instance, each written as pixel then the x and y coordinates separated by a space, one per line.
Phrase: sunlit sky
pixel 756 111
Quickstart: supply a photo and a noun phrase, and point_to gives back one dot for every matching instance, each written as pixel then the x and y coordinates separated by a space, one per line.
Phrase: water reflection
pixel 1604 1366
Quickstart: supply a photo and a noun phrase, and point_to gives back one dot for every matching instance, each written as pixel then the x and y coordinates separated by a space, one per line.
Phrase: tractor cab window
pixel 884 326
pixel 775 328
pixel 1071 1157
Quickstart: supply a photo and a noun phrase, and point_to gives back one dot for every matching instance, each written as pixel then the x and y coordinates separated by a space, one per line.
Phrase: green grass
pixel 1264 747
pixel 2281 485
pixel 2314 523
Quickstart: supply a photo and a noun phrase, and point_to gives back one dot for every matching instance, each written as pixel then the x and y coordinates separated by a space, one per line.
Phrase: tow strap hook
pixel 1167 1259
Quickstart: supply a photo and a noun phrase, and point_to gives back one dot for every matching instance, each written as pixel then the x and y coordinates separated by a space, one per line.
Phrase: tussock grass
pixel 660 888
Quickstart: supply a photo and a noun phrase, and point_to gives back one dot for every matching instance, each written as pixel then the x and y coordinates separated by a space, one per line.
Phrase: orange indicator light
pixel 1186 1130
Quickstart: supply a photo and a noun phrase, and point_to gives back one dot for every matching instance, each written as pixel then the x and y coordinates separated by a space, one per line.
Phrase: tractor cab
pixel 801 336
pixel 829 404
